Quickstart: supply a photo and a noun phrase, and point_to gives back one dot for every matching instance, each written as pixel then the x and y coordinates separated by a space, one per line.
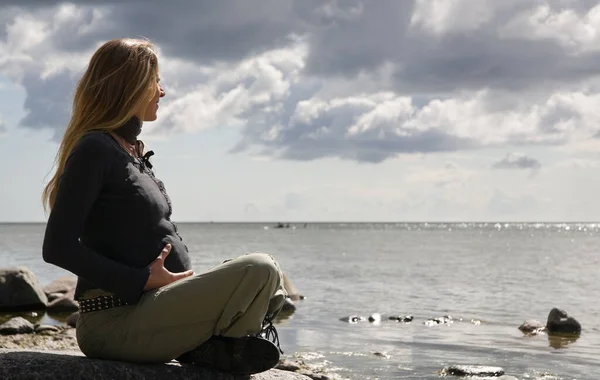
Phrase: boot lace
pixel 269 332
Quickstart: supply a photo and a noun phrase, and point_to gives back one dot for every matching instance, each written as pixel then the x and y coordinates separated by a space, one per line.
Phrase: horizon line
pixel 348 221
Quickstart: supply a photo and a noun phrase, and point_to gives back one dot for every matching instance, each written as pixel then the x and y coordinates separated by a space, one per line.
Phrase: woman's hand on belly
pixel 161 276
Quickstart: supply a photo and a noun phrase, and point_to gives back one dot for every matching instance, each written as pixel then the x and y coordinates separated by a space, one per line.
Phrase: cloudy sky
pixel 316 110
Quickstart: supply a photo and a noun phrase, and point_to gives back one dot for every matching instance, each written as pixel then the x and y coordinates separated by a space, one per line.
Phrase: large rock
pixel 66 302
pixel 33 365
pixel 72 319
pixel 16 325
pixel 62 285
pixel 20 290
pixel 560 322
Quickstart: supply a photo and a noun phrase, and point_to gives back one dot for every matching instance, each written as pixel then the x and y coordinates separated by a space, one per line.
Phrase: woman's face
pixel 148 113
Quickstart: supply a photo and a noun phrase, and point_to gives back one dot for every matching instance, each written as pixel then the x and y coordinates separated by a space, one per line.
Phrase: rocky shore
pixel 72 365
pixel 32 350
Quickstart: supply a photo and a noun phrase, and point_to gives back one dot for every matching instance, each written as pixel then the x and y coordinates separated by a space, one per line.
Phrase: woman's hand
pixel 159 275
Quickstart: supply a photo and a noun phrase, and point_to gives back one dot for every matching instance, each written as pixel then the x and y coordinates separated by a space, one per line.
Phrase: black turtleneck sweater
pixel 111 218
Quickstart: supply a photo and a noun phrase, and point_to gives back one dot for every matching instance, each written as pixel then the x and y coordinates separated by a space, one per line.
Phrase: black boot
pixel 240 356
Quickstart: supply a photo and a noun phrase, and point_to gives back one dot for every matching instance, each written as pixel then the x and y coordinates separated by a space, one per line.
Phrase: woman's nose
pixel 162 92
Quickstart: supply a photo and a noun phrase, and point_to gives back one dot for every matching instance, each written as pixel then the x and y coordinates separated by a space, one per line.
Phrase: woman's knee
pixel 264 264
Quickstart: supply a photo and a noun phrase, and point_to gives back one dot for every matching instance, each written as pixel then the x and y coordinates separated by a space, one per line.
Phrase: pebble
pixel 46 329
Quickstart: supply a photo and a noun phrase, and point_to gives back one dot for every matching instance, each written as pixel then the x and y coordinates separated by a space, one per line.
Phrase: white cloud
pixel 573 30
pixel 375 127
pixel 443 16
pixel 227 95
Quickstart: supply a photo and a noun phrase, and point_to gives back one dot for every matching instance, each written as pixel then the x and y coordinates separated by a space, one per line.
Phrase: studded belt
pixel 100 303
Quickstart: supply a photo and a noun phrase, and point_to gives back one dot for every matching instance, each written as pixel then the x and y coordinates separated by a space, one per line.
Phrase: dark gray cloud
pixel 48 102
pixel 517 161
pixel 2 127
pixel 202 31
pixel 453 61
pixel 472 62
pixel 50 3
pixel 347 46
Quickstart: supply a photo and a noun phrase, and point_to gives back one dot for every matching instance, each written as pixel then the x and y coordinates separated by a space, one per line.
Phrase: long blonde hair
pixel 119 79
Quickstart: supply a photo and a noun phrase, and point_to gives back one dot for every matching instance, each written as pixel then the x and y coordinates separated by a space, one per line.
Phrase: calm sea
pixel 499 274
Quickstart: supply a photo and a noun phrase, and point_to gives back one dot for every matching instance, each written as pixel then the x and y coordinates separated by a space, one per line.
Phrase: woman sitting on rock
pixel 110 225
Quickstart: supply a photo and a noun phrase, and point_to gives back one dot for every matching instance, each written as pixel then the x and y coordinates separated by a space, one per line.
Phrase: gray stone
pixel 16 325
pixel 560 322
pixel 72 320
pixel 62 285
pixel 20 290
pixel 288 306
pixel 317 376
pixel 472 370
pixel 288 365
pixel 71 365
pixel 300 367
pixel 46 329
pixel 532 327
pixel 65 303
pixel 53 296
pixel 401 318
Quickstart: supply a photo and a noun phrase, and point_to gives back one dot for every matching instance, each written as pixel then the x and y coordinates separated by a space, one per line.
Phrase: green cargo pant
pixel 231 299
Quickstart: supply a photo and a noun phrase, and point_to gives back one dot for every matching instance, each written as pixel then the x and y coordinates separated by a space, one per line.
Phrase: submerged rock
pixel 532 327
pixel 559 341
pixel 16 325
pixel 401 318
pixel 445 320
pixel 381 355
pixel 17 365
pixel 20 290
pixel 560 322
pixel 353 319
pixel 472 370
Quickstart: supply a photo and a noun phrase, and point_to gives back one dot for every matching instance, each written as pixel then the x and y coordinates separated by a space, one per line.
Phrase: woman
pixel 110 225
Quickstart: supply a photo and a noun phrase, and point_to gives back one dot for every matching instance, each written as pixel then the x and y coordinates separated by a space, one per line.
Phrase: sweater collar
pixel 130 130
